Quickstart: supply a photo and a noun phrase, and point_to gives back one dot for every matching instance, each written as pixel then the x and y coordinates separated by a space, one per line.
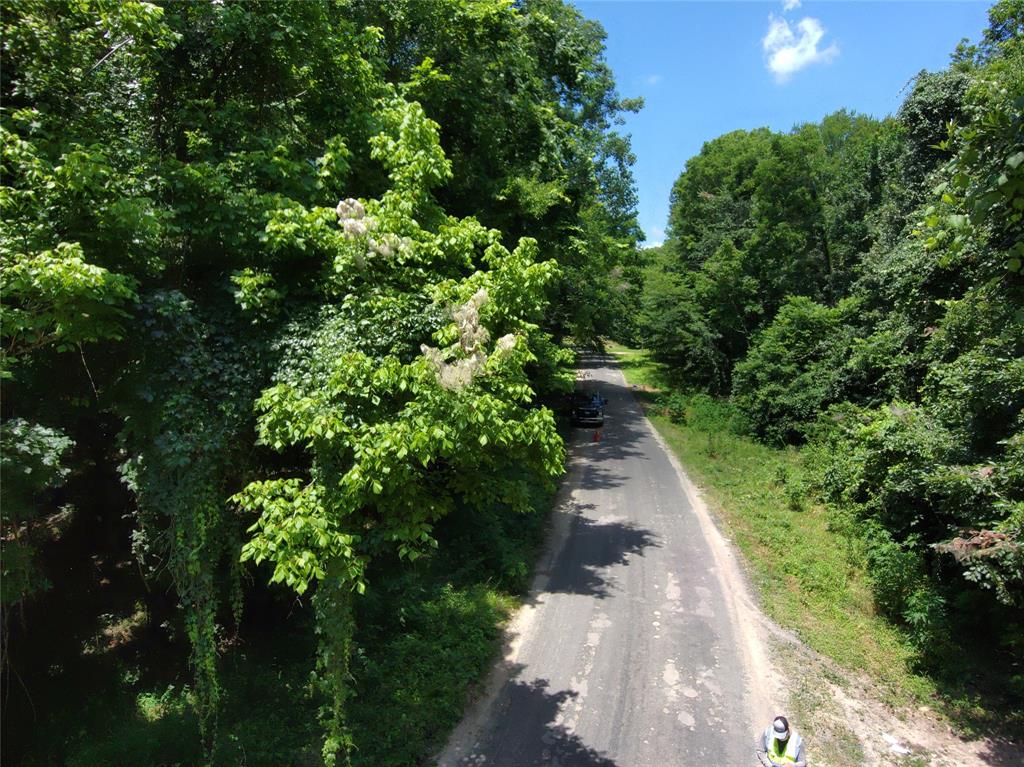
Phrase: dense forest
pixel 855 287
pixel 287 288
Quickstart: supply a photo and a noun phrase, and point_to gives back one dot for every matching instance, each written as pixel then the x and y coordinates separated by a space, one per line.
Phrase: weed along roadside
pixel 812 582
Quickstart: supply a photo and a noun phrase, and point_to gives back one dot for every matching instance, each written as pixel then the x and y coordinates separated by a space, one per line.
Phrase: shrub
pixel 791 372
pixel 674 405
pixel 716 414
pixel 883 462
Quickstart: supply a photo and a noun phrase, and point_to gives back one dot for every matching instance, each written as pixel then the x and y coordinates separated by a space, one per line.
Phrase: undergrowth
pixel 427 634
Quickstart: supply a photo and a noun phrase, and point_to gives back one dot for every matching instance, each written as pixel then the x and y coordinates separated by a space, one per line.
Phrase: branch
pixel 111 52
pixel 92 383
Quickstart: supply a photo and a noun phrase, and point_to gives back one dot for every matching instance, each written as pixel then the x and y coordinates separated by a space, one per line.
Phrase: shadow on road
pixel 592 546
pixel 530 736
pixel 590 550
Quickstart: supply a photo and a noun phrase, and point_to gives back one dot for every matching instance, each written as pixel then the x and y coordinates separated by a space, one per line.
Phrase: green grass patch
pixel 640 368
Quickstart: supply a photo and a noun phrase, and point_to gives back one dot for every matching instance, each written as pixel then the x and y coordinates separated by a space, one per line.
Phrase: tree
pixel 395 444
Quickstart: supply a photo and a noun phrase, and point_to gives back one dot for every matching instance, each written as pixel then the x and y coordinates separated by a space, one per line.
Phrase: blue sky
pixel 703 69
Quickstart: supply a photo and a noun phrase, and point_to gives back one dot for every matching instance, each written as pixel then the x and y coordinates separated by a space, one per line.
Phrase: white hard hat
pixel 780 728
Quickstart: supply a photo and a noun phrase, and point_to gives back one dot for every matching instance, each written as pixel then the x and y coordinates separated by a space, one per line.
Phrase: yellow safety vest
pixel 788 751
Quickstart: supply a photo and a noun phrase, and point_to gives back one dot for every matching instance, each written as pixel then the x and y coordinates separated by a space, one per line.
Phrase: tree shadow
pixel 527 732
pixel 590 549
pixel 591 546
pixel 1002 752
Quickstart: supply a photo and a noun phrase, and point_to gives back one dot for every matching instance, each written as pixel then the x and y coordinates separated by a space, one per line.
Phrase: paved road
pixel 627 653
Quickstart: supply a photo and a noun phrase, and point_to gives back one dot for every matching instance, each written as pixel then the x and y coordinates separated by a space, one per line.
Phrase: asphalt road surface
pixel 627 653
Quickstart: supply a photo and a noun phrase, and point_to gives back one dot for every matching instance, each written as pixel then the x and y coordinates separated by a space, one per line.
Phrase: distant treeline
pixel 856 285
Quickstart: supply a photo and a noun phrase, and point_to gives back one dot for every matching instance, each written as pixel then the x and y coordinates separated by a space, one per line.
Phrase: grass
pixel 638 366
pixel 806 574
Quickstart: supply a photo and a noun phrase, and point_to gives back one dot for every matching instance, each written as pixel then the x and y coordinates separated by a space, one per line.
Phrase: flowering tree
pixel 395 444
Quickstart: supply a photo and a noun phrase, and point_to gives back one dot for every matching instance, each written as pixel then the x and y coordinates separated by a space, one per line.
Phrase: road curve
pixel 628 651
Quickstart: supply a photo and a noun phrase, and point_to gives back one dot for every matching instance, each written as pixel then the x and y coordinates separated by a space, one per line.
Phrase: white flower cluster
pixel 506 343
pixel 454 375
pixel 356 225
pixel 472 336
pixel 352 216
pixel 388 245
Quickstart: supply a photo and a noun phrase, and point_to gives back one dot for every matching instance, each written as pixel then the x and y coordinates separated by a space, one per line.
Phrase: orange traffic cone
pixel 597 435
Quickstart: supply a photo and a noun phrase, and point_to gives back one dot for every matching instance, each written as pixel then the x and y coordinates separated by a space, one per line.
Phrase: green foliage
pixel 255 293
pixel 268 711
pixel 674 405
pixel 527 104
pixel 907 481
pixel 793 369
pixel 423 634
pixel 170 175
pixel 901 589
pixel 32 462
pixel 755 218
pixel 381 430
pixel 935 101
pixel 395 445
pixel 55 297
pixel 414 678
pixel 983 194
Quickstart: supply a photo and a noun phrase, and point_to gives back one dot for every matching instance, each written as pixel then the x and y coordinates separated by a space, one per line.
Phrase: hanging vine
pixel 180 461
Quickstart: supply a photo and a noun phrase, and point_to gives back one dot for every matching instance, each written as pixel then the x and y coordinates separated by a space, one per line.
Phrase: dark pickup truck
pixel 588 408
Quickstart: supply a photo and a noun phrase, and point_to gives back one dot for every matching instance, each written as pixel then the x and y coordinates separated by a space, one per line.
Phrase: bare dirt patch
pixel 847 722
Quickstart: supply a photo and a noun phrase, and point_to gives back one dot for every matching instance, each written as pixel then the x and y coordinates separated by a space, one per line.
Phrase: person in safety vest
pixel 782 745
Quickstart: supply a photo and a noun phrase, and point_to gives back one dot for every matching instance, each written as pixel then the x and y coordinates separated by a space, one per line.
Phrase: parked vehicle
pixel 588 408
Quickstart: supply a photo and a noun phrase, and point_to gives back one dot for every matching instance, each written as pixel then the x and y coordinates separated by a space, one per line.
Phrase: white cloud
pixel 654 237
pixel 653 79
pixel 789 51
pixel 790 5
